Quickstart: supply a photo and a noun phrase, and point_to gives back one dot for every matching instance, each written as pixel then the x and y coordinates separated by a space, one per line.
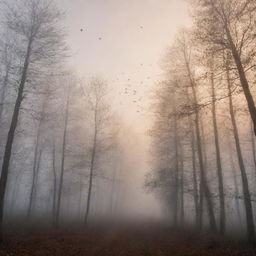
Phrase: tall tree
pixel 37 23
pixel 63 156
pixel 95 93
pixel 245 185
pixel 230 25
pixel 217 150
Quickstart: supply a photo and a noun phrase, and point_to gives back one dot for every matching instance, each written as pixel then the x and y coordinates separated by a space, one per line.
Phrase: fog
pixel 134 36
pixel 125 118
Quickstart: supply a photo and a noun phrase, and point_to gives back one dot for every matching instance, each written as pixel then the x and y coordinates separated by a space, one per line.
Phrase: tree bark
pixel 205 187
pixel 181 186
pixel 11 135
pixel 176 165
pixel 62 161
pixel 243 79
pixel 218 160
pixel 88 204
pixel 32 191
pixel 54 185
pixel 246 192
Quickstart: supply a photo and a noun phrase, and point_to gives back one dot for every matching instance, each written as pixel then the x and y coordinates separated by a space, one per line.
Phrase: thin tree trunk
pixel 54 185
pixel 80 197
pixel 246 192
pixel 253 146
pixel 32 190
pixel 205 187
pixel 235 181
pixel 37 175
pixel 243 79
pixel 181 186
pixel 4 88
pixel 88 204
pixel 113 191
pixel 176 166
pixel 218 160
pixel 195 183
pixel 10 137
pixel 62 162
pixel 37 143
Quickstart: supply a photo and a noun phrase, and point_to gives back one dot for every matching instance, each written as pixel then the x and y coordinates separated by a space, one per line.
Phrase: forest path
pixel 131 241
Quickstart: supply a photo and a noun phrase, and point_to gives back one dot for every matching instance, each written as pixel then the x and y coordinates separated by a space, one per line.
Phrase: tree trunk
pixel 62 162
pixel 113 190
pixel 88 204
pixel 10 137
pixel 35 163
pixel 54 185
pixel 32 191
pixel 246 192
pixel 205 187
pixel 243 79
pixel 235 181
pixel 195 183
pixel 3 94
pixel 181 186
pixel 253 146
pixel 176 166
pixel 218 160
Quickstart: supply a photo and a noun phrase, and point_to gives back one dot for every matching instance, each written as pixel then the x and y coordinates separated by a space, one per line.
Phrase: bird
pixel 81 30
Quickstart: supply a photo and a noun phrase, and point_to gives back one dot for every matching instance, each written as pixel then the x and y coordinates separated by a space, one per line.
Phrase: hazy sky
pixel 124 41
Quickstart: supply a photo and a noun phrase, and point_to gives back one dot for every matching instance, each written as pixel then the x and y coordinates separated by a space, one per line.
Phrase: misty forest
pixel 127 128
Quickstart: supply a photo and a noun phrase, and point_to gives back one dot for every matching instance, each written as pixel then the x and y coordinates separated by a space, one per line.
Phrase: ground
pixel 116 241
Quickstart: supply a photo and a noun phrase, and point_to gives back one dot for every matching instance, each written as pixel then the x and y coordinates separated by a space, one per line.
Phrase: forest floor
pixel 116 241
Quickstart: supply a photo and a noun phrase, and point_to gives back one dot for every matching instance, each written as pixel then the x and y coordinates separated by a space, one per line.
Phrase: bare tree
pixel 63 156
pixel 217 149
pixel 245 185
pixel 230 25
pixel 37 23
pixel 95 93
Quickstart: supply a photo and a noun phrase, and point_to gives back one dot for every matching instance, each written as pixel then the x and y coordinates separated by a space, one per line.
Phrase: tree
pixel 245 185
pixel 217 149
pixel 36 22
pixel 230 25
pixel 63 156
pixel 95 93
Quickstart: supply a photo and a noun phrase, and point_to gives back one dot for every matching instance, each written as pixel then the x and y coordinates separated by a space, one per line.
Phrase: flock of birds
pixel 131 93
pixel 128 91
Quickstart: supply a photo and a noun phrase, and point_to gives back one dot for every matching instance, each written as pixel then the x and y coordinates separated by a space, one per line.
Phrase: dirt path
pixel 119 242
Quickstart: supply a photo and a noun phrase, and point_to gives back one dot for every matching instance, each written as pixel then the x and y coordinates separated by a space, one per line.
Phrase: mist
pixel 127 128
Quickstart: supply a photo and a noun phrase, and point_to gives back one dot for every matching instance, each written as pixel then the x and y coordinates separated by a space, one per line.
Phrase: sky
pixel 123 42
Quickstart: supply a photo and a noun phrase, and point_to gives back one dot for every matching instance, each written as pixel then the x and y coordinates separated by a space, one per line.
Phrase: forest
pixel 96 165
